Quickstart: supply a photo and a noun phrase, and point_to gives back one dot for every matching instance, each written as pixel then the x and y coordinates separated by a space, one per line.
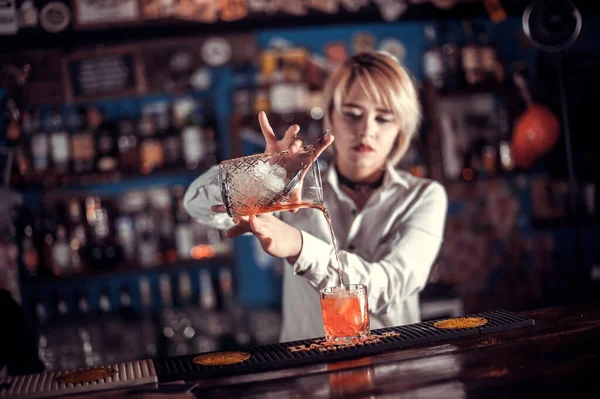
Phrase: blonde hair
pixel 385 81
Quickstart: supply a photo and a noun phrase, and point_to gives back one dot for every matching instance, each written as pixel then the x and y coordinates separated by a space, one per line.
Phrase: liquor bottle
pixel 39 145
pixel 184 289
pixel 184 234
pixel 451 58
pixel 433 63
pixel 146 238
pixel 487 55
pixel 59 145
pixel 208 300
pixel 23 157
pixel 78 234
pixel 13 129
pixel 41 313
pixel 126 309
pixel 471 64
pixel 104 302
pixel 151 152
pixel 505 157
pixel 160 200
pixel 124 224
pixel 62 308
pixel 127 143
pixel 172 139
pixel 193 141
pixel 105 143
pixel 30 256
pixel 83 147
pixel 148 324
pixel 83 304
pixel 61 252
pixel 166 290
pixel 48 230
pixel 103 251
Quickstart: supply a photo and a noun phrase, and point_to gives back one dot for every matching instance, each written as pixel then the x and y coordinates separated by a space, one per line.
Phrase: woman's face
pixel 365 133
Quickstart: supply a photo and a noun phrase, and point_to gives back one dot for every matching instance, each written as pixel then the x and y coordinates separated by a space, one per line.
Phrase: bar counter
pixel 556 354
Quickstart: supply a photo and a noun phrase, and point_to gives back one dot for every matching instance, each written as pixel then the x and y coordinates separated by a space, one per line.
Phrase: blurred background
pixel 111 108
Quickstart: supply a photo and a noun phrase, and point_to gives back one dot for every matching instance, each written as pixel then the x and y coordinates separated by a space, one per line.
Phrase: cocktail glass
pixel 345 314
pixel 273 182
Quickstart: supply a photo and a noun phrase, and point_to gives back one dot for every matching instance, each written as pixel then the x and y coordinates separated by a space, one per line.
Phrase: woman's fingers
pixel 238 230
pixel 295 145
pixel 290 134
pixel 321 144
pixel 266 129
pixel 260 231
pixel 218 208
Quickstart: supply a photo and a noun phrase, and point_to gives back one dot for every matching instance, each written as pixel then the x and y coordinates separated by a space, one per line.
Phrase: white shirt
pixel 389 245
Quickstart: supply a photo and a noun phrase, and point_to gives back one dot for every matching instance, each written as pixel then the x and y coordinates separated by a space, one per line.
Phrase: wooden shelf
pixel 133 269
pixel 171 27
pixel 55 183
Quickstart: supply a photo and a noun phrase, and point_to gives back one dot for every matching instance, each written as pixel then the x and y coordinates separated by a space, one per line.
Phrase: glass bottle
pixel 59 145
pixel 433 63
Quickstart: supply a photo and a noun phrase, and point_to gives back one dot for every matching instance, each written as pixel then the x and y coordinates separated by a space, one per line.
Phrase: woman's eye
pixel 381 119
pixel 352 116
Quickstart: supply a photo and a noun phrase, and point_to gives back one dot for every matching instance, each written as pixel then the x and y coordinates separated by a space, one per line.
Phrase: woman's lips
pixel 362 148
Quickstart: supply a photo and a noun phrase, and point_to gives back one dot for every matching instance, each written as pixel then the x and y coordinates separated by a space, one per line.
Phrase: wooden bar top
pixel 559 356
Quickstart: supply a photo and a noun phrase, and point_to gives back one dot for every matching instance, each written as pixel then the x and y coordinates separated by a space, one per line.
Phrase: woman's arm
pixel 201 195
pixel 404 268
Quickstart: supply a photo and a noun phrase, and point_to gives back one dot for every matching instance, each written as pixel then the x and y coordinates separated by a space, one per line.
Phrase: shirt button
pixel 354 212
pixel 351 247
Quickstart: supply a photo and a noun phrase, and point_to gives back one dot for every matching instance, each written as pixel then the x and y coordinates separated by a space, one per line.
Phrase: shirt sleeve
pixel 403 270
pixel 203 193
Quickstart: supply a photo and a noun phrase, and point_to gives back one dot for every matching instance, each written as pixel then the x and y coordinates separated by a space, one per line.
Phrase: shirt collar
pixel 392 176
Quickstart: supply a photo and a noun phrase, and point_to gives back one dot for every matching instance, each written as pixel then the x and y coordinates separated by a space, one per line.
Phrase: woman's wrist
pixel 296 246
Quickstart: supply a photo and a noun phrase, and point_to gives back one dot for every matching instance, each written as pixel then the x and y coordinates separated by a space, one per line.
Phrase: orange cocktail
pixel 345 314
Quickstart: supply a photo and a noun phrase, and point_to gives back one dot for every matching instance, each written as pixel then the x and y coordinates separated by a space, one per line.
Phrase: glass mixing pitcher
pixel 273 182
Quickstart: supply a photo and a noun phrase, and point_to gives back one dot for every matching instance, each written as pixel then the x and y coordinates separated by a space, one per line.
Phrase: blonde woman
pixel 388 223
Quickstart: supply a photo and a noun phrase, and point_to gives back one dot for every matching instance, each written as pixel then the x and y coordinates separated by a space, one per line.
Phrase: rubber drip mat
pixel 291 354
pixel 55 383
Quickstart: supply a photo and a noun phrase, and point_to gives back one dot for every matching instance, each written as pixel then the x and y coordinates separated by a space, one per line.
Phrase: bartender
pixel 389 223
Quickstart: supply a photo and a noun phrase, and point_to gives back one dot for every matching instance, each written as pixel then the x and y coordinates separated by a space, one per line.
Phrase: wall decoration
pixel 363 41
pixel 391 10
pixel 90 75
pixel 197 10
pixel 233 10
pixel 100 14
pixel 178 64
pixel 395 47
pixel 8 18
pixel 55 17
pixel 293 7
pixel 326 6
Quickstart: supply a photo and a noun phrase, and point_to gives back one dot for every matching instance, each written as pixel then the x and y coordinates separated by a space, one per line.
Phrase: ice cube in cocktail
pixel 256 186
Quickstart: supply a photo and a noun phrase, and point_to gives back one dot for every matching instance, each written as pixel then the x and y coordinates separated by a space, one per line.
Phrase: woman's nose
pixel 368 128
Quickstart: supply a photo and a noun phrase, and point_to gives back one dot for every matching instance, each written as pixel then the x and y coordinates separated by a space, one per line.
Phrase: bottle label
pixel 60 147
pixel 193 145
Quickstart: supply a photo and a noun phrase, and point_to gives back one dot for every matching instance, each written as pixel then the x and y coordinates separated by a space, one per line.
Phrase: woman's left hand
pixel 276 237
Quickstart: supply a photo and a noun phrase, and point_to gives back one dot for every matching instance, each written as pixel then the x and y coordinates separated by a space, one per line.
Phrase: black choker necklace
pixel 359 187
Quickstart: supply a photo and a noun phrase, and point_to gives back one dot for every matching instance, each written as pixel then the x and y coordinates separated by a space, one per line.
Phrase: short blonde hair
pixel 385 81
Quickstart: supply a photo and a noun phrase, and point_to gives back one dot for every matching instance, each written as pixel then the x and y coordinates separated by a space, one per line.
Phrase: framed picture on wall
pixel 110 72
